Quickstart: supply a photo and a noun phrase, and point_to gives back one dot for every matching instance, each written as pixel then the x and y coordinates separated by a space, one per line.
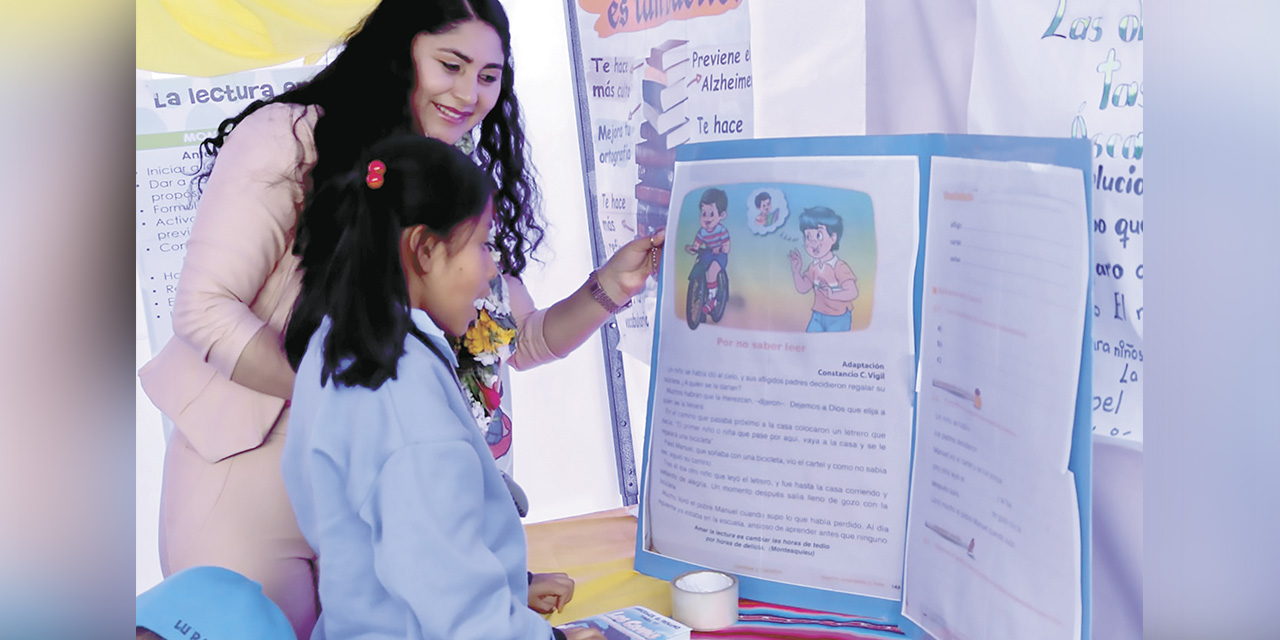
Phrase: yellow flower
pixel 486 336
pixel 503 337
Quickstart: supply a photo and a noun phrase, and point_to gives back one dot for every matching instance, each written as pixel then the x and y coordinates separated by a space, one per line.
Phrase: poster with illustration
pixel 785 362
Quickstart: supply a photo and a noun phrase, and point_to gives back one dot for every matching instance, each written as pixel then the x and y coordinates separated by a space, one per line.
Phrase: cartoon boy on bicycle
pixel 711 244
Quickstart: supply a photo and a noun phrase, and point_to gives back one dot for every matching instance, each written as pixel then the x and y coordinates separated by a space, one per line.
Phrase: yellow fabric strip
pixel 207 38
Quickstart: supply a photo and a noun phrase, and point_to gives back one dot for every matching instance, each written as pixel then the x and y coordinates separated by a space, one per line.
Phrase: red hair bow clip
pixel 374 177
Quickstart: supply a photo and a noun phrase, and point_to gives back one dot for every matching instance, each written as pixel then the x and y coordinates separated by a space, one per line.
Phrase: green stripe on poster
pixel 172 139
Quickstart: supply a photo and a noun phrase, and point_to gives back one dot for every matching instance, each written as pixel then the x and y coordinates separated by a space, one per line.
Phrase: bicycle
pixel 696 300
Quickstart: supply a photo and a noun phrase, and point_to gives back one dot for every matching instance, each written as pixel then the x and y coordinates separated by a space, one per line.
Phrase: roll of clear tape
pixel 705 600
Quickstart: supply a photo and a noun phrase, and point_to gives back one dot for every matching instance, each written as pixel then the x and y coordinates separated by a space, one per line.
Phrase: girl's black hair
pixel 361 286
pixel 364 95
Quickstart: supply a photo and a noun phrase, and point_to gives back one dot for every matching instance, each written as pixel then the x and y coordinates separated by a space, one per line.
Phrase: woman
pixel 436 67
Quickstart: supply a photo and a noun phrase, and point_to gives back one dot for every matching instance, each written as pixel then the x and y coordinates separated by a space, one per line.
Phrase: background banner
pixel 1075 69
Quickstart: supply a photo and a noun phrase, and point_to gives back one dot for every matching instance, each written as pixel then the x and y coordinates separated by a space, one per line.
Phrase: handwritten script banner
pixel 1073 68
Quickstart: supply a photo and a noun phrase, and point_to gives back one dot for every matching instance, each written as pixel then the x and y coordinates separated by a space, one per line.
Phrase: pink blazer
pixel 240 274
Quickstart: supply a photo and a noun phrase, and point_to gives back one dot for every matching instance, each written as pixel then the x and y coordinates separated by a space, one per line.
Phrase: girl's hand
pixel 550 592
pixel 623 276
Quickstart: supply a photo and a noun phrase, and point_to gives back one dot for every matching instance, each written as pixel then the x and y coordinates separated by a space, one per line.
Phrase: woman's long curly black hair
pixel 364 95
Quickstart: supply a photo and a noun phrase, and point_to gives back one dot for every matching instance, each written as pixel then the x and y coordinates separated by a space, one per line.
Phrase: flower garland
pixel 481 350
pixel 488 341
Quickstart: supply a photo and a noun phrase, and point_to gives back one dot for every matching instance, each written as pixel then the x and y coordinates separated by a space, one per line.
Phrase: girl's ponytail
pixel 370 310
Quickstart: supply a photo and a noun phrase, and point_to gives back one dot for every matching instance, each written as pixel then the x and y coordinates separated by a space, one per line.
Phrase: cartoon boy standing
pixel 764 202
pixel 711 244
pixel 833 283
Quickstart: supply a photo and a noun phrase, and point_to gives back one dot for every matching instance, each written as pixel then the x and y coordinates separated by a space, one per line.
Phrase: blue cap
pixel 211 603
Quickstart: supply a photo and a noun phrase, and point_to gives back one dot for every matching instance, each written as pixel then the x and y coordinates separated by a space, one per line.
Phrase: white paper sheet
pixel 994 517
pixel 776 452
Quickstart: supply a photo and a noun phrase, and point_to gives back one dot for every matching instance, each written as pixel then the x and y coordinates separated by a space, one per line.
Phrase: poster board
pixel 649 78
pixel 802 461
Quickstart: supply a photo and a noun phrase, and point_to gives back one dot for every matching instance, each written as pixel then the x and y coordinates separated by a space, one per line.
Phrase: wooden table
pixel 598 551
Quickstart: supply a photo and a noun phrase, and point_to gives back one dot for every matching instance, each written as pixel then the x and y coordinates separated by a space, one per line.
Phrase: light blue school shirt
pixel 397 492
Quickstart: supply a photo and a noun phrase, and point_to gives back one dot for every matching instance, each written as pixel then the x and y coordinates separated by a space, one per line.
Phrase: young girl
pixel 391 480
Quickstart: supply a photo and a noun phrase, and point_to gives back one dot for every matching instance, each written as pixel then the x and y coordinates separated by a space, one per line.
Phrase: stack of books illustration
pixel 664 94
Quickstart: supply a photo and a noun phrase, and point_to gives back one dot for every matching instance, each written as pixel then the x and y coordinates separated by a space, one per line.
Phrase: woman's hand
pixel 568 323
pixel 623 276
pixel 550 592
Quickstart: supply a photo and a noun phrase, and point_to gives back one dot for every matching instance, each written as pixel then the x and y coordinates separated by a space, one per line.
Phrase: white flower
pixel 482 419
pixel 496 301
